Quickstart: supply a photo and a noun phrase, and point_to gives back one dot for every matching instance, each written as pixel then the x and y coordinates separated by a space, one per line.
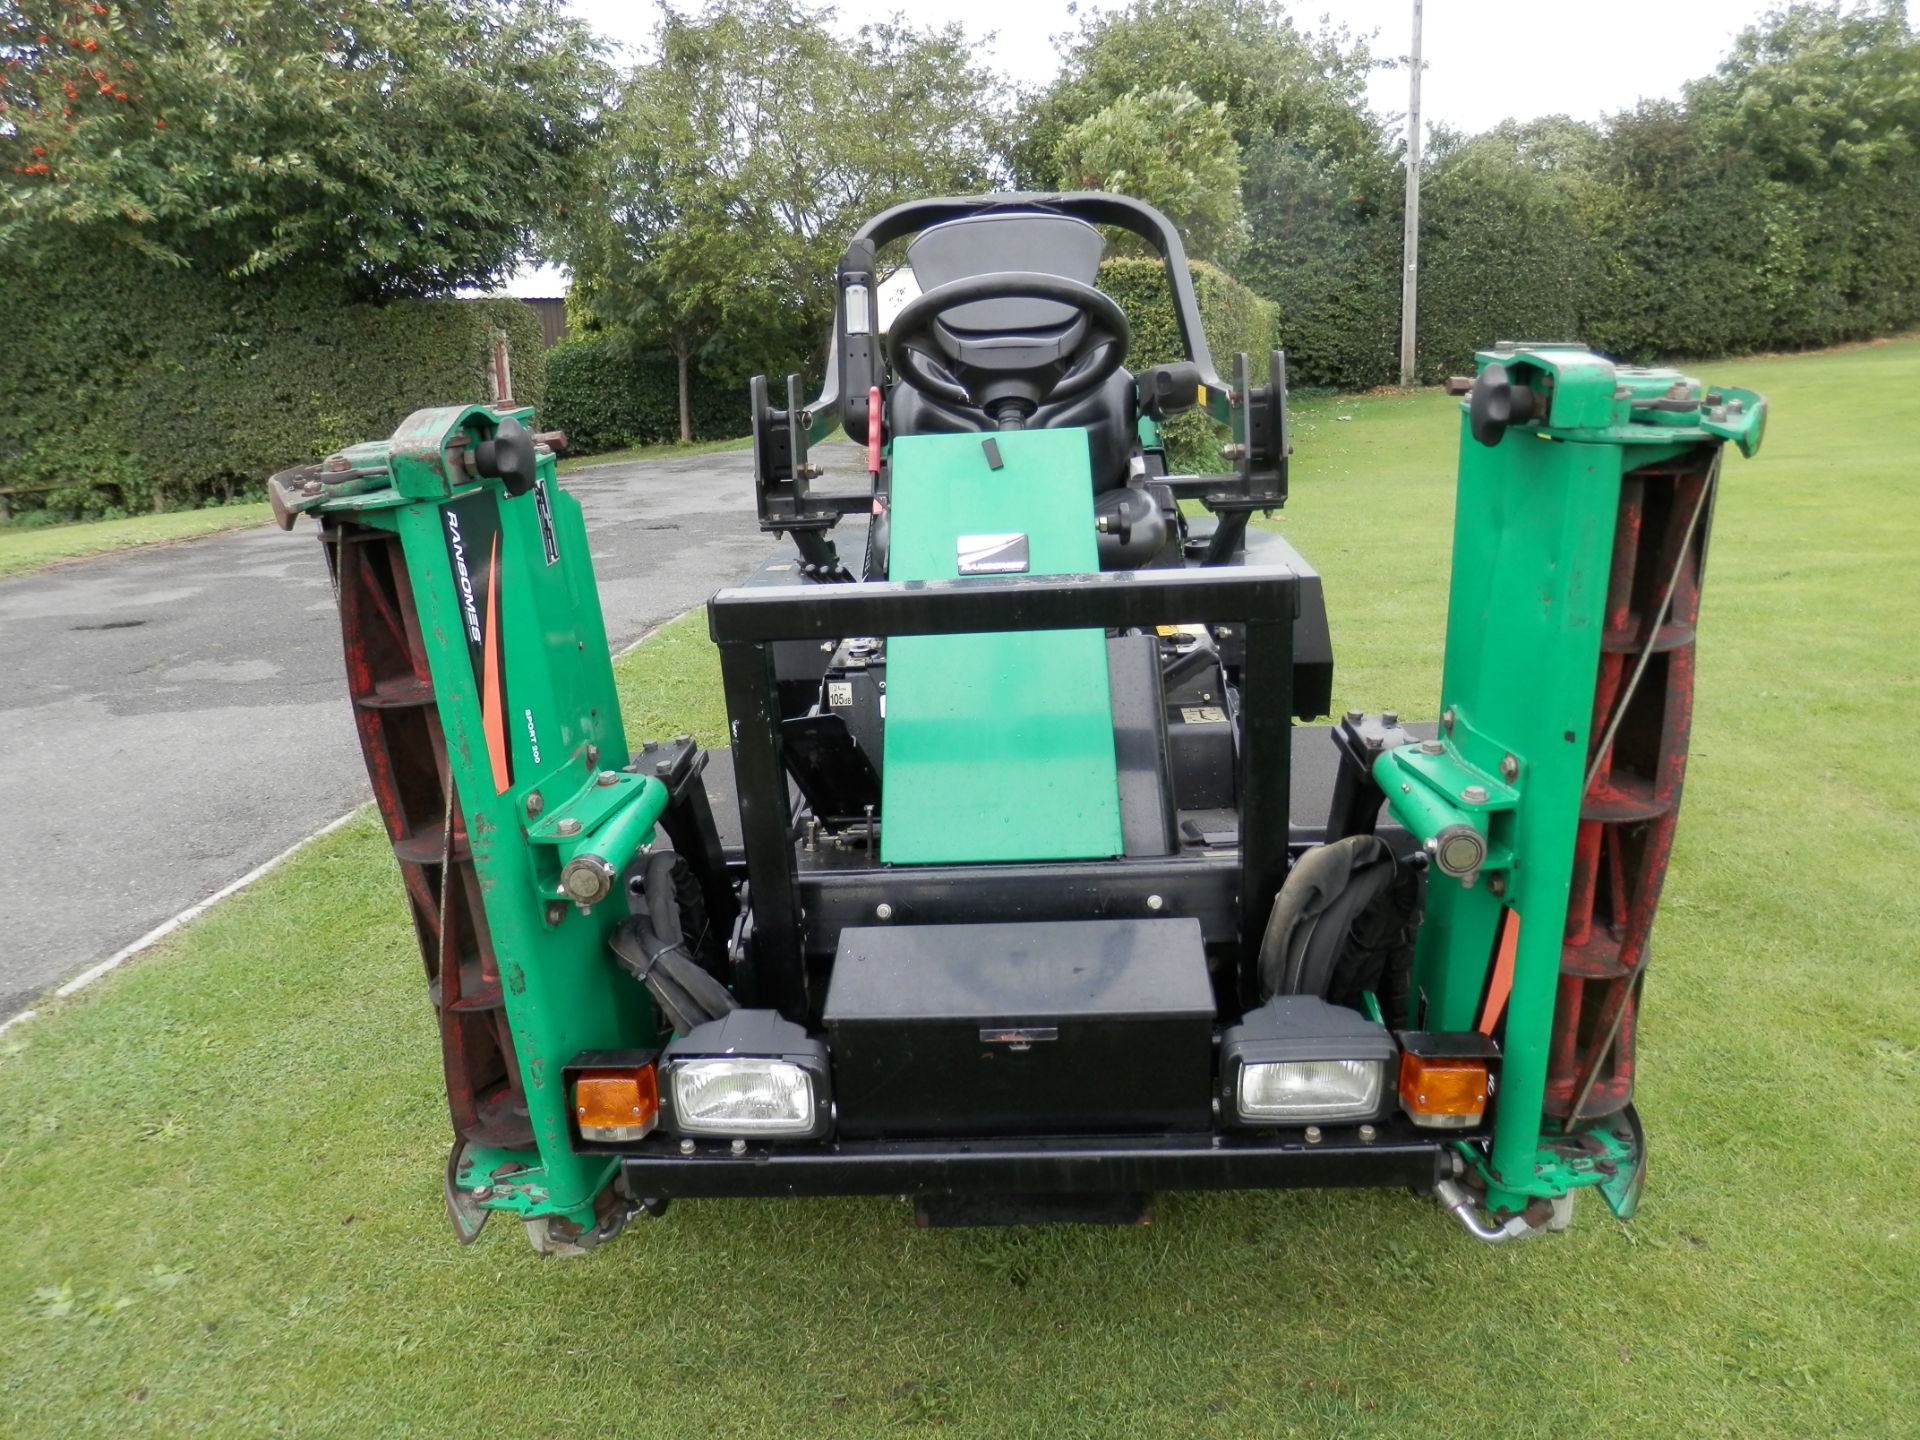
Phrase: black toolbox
pixel 1045 1027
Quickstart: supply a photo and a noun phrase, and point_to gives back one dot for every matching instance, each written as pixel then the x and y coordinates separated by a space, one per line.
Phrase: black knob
pixel 1166 390
pixel 1496 403
pixel 508 457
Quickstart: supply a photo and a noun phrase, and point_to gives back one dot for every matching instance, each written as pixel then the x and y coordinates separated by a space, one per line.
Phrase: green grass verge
pixel 25 548
pixel 667 451
pixel 225 1161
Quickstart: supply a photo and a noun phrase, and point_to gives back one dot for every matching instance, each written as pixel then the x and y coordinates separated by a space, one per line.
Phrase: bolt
pixel 566 825
pixel 883 911
pixel 1474 794
pixel 1496 885
pixel 1389 717
pixel 686 1147
pixel 534 803
pixel 588 879
pixel 1154 902
pixel 1235 451
pixel 1368 1134
pixel 1446 719
pixel 1221 632
pixel 1509 768
pixel 556 912
pixel 1354 717
pixel 663 767
pixel 826 647
pixel 809 472
pixel 593 756
pixel 1313 1134
pixel 482 1192
pixel 739 1147
pixel 1432 747
pixel 608 777
pixel 1216 1107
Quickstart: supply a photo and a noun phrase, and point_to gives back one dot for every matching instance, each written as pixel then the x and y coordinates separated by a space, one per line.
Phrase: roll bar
pixel 1255 414
pixel 853 360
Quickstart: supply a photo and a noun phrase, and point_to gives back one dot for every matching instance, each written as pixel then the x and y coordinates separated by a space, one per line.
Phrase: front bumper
pixel 1397 1156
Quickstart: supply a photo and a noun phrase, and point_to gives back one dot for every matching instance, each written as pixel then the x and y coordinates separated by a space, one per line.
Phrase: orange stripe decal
pixel 492 720
pixel 1502 983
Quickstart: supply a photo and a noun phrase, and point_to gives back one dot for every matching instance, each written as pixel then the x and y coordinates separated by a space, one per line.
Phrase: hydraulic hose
pixel 652 948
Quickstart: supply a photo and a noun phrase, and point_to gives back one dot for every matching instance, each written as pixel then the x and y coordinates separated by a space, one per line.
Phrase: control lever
pixel 1497 402
pixel 508 457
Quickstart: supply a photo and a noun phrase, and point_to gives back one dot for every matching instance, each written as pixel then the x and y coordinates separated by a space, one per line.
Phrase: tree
pixel 1273 78
pixel 1817 92
pixel 1172 150
pixel 406 149
pixel 742 158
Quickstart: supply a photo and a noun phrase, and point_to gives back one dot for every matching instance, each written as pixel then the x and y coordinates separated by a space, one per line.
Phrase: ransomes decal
pixel 992 554
pixel 473 548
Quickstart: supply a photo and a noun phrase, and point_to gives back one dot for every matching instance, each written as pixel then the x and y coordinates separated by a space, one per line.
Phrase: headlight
pixel 749 1074
pixel 1299 1061
pixel 1301 1090
pixel 741 1097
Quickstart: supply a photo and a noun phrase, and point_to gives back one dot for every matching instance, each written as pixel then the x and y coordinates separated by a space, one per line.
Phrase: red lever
pixel 873 430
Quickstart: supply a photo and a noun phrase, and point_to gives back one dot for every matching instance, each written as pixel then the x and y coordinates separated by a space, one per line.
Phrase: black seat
pixel 1019 241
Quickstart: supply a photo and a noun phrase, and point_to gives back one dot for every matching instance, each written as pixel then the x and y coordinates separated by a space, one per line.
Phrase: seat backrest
pixel 1019 241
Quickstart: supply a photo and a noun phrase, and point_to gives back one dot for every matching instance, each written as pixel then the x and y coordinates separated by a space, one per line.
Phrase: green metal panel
pixel 998 747
pixel 544 724
pixel 1533 538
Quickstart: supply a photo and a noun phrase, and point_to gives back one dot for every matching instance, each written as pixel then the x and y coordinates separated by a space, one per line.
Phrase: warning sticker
pixel 839 694
pixel 1203 715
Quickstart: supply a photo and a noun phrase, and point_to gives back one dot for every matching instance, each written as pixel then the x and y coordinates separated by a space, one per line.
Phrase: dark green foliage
pixel 1505 254
pixel 607 394
pixel 134 386
pixel 1273 77
pixel 1234 318
pixel 402 149
pixel 1777 208
pixel 1325 249
pixel 740 160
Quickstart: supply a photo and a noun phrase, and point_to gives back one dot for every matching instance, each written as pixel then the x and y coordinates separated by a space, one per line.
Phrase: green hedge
pixel 132 386
pixel 1234 318
pixel 607 395
pixel 1665 245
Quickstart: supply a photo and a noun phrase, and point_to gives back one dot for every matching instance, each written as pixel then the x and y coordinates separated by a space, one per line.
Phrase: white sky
pixel 1485 62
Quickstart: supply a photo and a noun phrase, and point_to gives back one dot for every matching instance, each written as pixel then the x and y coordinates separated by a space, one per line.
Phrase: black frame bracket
pixel 745 624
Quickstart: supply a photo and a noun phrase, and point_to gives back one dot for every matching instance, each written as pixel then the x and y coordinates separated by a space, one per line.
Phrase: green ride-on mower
pixel 1017 889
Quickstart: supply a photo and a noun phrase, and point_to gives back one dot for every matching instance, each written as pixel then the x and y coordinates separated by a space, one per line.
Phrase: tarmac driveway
pixel 176 716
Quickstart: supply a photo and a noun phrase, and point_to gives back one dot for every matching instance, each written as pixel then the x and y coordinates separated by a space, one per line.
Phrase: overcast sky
pixel 1485 61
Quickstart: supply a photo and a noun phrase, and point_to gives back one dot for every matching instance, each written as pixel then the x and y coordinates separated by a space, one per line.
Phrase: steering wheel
pixel 1009 376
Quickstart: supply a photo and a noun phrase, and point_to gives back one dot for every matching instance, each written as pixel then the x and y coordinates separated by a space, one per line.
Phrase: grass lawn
pixel 225 1161
pixel 667 451
pixel 31 547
